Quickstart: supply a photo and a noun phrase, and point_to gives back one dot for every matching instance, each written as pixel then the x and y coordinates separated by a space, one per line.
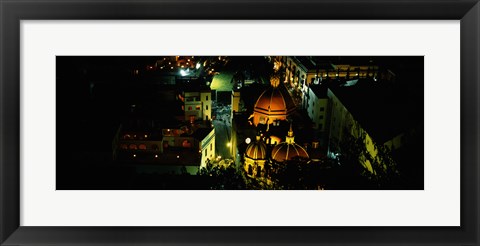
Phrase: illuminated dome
pixel 288 150
pixel 275 103
pixel 256 150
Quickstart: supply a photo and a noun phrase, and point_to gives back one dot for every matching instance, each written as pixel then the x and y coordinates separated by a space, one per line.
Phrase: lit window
pixel 142 146
pixel 197 107
pixel 123 146
pixel 190 108
pixel 132 146
pixel 262 119
pixel 186 144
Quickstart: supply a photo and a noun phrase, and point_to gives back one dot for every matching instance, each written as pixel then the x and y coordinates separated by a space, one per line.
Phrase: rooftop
pixel 320 90
pixel 201 133
pixel 384 111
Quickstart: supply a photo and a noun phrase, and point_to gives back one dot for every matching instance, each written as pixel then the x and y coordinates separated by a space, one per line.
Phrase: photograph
pixel 240 123
pixel 162 122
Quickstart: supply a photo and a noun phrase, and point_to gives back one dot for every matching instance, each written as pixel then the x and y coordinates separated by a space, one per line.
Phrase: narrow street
pixel 222 132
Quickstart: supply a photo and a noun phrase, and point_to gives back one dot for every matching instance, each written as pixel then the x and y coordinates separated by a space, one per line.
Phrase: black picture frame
pixel 13 11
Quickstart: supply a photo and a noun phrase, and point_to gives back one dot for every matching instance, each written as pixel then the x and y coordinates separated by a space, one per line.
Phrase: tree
pixel 297 174
pixel 352 158
pixel 221 177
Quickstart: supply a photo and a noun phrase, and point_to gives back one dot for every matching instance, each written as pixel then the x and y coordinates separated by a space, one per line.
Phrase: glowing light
pixel 248 140
pixel 183 73
pixel 178 156
pixel 134 155
pixel 156 156
pixel 146 135
pixel 229 144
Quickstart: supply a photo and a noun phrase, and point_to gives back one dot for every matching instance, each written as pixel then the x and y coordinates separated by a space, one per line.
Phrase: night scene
pixel 239 122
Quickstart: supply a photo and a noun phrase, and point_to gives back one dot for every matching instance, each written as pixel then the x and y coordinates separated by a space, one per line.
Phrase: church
pixel 272 129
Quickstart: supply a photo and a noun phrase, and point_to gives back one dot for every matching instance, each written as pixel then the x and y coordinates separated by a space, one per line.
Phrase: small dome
pixel 287 151
pixel 256 150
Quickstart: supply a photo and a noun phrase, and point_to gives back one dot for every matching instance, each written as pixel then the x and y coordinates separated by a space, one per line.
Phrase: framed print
pixel 237 122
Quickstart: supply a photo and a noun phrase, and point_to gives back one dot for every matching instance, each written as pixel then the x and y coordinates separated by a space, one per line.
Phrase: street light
pixel 229 144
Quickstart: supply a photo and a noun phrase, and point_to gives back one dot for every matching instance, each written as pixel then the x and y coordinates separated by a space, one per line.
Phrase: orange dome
pixel 256 150
pixel 289 149
pixel 274 104
pixel 286 151
pixel 275 100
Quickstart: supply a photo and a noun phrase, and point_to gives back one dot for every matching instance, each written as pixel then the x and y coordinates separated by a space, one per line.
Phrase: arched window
pixel 127 136
pixel 259 171
pixel 142 146
pixel 123 146
pixel 132 146
pixel 267 170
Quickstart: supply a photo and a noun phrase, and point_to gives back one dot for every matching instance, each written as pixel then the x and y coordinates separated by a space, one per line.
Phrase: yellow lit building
pixel 344 126
pixel 197 105
pixel 255 158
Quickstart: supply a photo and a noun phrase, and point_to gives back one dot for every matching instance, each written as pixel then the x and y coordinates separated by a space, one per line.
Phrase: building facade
pixel 344 127
pixel 197 105
pixel 165 149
